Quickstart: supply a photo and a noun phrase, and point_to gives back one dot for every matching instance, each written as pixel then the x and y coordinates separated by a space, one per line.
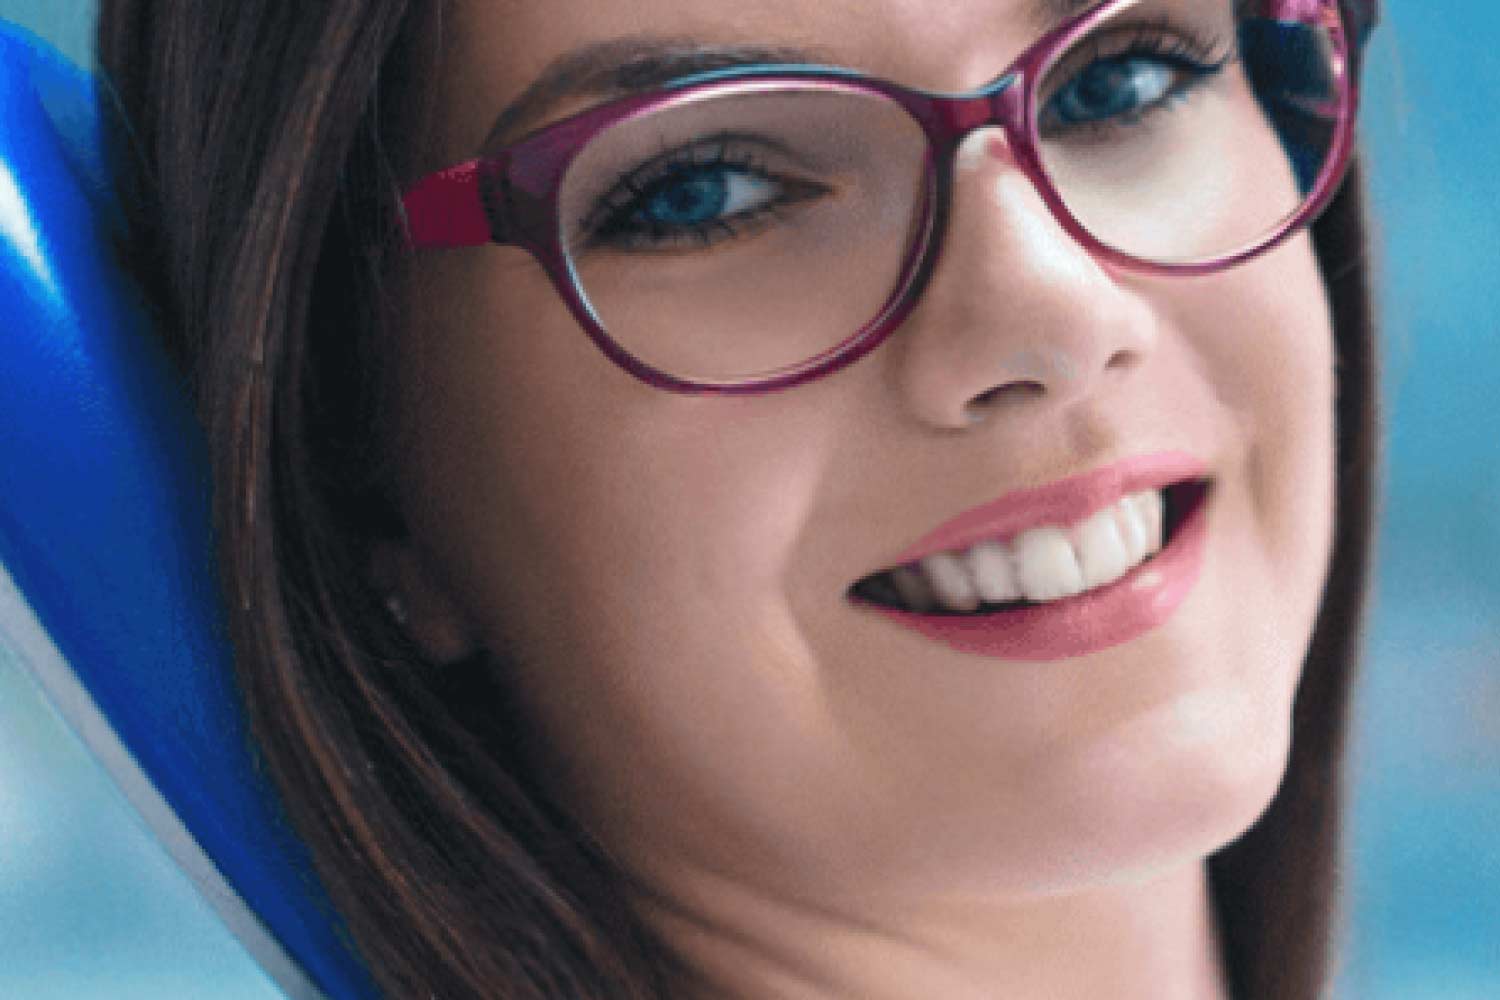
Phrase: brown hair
pixel 262 192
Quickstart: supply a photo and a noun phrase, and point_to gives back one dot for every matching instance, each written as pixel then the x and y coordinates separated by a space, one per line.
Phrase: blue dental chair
pixel 108 589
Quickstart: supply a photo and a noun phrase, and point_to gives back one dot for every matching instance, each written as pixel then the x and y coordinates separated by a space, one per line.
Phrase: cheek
pixel 1286 350
pixel 578 508
pixel 1269 351
pixel 1265 337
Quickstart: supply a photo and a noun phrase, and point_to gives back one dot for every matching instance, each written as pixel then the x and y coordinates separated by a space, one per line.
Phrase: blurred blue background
pixel 91 908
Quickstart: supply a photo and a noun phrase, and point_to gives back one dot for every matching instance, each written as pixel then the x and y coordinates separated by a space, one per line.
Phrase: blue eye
pixel 689 201
pixel 687 198
pixel 1152 73
pixel 1119 87
pixel 685 202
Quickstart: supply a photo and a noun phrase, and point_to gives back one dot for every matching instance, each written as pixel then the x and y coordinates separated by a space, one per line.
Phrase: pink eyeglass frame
pixel 513 198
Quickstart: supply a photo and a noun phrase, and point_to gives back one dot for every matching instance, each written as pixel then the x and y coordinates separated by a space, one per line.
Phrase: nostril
pixel 994 393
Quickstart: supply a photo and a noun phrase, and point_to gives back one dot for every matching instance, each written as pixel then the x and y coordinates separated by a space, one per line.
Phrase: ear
pixel 433 620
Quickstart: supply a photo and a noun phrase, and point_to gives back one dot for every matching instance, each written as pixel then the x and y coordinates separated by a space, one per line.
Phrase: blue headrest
pixel 108 590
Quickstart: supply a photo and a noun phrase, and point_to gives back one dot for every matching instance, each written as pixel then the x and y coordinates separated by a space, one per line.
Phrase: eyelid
pixel 727 142
pixel 1189 49
pixel 639 181
pixel 1161 36
pixel 648 171
pixel 1200 57
pixel 792 190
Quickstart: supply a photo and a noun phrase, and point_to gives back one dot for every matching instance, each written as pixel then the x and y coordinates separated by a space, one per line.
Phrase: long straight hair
pixel 259 153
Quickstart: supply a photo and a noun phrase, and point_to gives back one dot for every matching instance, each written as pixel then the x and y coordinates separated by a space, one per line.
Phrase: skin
pixel 818 803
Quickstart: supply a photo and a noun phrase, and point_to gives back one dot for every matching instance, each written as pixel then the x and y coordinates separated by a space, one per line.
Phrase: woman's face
pixel 669 576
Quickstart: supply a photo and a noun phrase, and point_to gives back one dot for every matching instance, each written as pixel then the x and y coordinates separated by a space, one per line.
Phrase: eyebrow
pixel 623 66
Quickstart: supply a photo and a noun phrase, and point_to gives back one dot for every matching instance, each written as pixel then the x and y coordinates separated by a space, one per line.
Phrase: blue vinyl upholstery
pixel 108 588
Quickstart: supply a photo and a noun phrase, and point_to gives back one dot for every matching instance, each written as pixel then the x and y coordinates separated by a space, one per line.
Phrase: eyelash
pixel 609 223
pixel 1187 47
pixel 1162 38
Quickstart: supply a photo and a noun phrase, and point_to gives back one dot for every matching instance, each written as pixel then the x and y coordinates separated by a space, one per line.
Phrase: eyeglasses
pixel 751 229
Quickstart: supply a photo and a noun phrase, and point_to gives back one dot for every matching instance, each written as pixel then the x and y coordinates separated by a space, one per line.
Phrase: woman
pixel 791 535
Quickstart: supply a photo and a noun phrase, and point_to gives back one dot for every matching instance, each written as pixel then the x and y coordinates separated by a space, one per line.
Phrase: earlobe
pixel 420 606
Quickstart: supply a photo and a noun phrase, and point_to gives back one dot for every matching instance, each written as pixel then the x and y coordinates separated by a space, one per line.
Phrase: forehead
pixel 494 49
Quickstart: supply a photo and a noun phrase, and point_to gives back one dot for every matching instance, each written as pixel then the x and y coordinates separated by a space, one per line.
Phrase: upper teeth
pixel 1042 564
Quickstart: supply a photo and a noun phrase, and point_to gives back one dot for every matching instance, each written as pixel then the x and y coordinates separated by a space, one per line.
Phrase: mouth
pixel 913 587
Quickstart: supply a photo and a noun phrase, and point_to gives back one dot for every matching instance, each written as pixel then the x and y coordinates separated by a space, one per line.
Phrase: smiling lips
pixel 1039 564
pixel 1087 545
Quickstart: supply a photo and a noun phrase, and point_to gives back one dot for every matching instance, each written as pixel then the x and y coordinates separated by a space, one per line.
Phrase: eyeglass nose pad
pixel 981 146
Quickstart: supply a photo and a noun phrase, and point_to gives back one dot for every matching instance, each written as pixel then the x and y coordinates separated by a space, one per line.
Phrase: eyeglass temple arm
pixel 447 209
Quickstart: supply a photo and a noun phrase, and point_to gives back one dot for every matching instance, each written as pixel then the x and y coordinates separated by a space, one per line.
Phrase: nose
pixel 1017 315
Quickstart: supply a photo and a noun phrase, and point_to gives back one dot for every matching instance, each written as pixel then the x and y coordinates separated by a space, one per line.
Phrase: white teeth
pixel 1101 552
pixel 1131 517
pixel 950 579
pixel 994 573
pixel 1047 565
pixel 1043 564
pixel 1153 511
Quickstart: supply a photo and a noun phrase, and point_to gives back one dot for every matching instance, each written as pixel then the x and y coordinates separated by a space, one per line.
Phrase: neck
pixel 1153 940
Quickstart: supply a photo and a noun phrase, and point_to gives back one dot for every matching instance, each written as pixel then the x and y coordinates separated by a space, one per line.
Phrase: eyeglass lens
pixel 742 231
